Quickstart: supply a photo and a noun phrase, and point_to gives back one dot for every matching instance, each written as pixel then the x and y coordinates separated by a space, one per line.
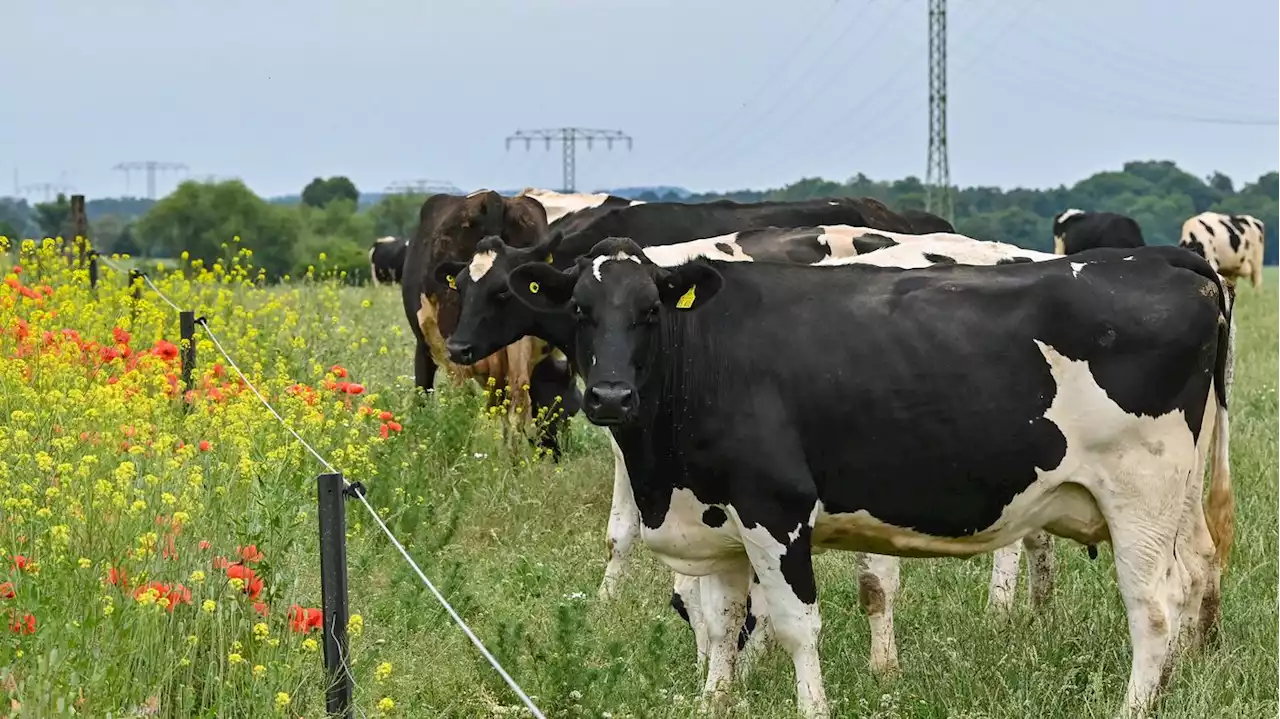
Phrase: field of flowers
pixel 158 551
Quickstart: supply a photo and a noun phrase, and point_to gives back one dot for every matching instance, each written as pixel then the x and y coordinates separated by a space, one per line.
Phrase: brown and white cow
pixel 1233 244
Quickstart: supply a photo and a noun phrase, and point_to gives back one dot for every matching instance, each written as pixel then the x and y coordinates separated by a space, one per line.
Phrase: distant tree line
pixel 287 235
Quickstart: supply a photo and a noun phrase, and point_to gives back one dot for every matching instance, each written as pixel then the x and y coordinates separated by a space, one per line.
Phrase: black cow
pixel 386 259
pixel 1076 231
pixel 1078 395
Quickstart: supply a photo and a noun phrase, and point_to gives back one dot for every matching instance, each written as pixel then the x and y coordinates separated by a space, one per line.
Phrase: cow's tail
pixel 1220 504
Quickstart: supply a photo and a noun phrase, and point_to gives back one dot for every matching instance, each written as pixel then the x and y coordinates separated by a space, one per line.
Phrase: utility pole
pixel 569 137
pixel 422 187
pixel 151 167
pixel 937 177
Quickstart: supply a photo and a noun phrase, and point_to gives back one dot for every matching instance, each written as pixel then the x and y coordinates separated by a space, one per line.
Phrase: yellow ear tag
pixel 452 284
pixel 549 258
pixel 686 300
pixel 533 287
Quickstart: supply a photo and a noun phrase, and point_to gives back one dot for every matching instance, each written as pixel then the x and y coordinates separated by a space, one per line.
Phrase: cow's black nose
pixel 460 353
pixel 609 401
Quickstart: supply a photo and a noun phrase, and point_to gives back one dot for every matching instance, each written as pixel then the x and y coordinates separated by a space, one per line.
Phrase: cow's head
pixel 621 302
pixel 489 320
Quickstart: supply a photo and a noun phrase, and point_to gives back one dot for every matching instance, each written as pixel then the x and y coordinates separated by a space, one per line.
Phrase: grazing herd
pixel 784 378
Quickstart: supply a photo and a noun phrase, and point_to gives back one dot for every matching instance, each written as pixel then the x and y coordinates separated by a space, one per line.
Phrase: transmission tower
pixel 423 187
pixel 50 189
pixel 151 167
pixel 937 177
pixel 569 137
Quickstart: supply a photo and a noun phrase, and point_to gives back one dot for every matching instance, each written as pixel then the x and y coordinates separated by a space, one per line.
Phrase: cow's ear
pixel 690 286
pixel 541 286
pixel 447 274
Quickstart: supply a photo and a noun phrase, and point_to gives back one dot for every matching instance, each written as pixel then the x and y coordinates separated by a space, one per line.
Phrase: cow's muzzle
pixel 609 403
pixel 461 353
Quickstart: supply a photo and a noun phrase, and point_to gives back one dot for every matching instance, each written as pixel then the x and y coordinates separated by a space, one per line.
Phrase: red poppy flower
pixel 20 562
pixel 6 591
pixel 385 416
pixel 204 445
pixel 249 553
pixel 116 576
pixel 219 371
pixel 384 430
pixel 304 620
pixel 109 353
pixel 121 336
pixel 395 426
pixel 204 544
pixel 165 349
pixel 338 371
pixel 23 625
pixel 260 608
pixel 252 582
pixel 354 388
pixel 221 563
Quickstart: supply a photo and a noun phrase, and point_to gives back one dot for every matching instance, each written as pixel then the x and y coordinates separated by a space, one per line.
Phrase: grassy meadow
pixel 161 561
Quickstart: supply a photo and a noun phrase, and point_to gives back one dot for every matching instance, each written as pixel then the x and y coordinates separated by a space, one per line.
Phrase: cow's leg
pixel 1039 568
pixel 724 606
pixel 877 586
pixel 756 629
pixel 1143 529
pixel 686 599
pixel 624 524
pixel 1005 562
pixel 791 593
pixel 424 367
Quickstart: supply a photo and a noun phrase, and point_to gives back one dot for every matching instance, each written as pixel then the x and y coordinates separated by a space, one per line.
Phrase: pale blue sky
pixel 717 95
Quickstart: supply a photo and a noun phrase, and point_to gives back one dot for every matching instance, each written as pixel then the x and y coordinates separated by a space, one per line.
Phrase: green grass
pixel 518 545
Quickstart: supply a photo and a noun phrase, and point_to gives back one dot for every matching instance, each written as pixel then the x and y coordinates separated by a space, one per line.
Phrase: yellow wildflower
pixel 355 624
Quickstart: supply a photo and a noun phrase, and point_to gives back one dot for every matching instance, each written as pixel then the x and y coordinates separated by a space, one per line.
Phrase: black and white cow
pixel 488 320
pixel 386 259
pixel 958 409
pixel 1076 231
pixel 1233 244
pixel 561 204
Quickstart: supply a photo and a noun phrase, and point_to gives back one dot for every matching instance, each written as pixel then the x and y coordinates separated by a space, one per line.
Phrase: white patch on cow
pixel 832 202
pixel 384 240
pixel 477 192
pixel 559 204
pixel 624 523
pixel 1076 267
pixel 1068 214
pixel 911 250
pixel 683 252
pixel 619 257
pixel 688 545
pixel 481 263
pixel 1129 258
pixel 839 239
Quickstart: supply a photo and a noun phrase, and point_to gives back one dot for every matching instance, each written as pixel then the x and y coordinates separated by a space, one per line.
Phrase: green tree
pixel 396 215
pixel 320 192
pixel 54 218
pixel 203 218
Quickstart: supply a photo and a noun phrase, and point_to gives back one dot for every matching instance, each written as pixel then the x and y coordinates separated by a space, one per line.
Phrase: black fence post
pixel 187 328
pixel 333 591
pixel 93 270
